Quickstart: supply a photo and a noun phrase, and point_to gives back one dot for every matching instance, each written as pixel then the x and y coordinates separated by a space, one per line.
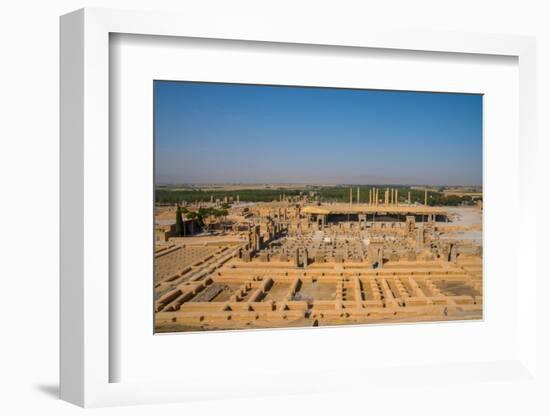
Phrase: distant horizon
pixel 215 133
pixel 312 184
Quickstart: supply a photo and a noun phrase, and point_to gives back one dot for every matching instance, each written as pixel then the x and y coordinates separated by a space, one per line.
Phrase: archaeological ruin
pixel 294 262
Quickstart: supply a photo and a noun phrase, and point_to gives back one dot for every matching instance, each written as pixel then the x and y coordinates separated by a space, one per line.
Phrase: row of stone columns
pixel 373 197
pixel 225 199
pixel 391 197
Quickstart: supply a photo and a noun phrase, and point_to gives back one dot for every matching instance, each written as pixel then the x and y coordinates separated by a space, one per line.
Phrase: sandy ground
pixel 469 219
pixel 465 216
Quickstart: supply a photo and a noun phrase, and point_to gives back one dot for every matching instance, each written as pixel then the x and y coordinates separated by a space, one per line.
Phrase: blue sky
pixel 232 133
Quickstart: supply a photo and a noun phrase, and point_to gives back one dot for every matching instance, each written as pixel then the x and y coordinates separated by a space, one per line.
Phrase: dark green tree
pixel 179 223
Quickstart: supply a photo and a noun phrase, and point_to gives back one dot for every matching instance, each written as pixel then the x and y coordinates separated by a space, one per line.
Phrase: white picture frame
pixel 86 356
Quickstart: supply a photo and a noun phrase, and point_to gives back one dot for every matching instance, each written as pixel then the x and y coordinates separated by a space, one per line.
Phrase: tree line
pixel 322 194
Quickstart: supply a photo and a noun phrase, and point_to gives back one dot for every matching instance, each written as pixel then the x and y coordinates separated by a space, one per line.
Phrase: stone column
pixel 397 197
pixel 257 237
pixel 453 254
pixel 357 195
pixel 381 258
pixel 426 197
pixel 386 196
pixel 350 196
pixel 420 236
pixel 409 197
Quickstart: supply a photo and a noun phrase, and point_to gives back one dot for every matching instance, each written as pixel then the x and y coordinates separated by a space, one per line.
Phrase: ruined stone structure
pixel 289 263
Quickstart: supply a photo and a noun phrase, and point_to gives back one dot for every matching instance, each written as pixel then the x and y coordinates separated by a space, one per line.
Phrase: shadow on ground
pixel 51 390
